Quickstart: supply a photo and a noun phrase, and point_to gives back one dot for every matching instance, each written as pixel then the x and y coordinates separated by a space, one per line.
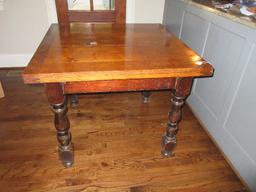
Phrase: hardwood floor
pixel 117 146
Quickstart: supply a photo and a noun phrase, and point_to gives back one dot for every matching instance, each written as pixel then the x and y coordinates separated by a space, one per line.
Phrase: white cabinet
pixel 223 50
pixel 225 103
pixel 173 16
pixel 241 122
pixel 194 31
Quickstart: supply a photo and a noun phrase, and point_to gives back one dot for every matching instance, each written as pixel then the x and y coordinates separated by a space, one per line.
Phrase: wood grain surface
pixel 119 85
pixel 117 146
pixel 89 52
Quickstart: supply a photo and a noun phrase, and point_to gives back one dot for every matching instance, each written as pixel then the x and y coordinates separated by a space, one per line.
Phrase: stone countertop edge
pixel 234 18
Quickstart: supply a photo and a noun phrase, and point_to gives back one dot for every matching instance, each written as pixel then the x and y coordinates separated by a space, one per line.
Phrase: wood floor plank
pixel 117 146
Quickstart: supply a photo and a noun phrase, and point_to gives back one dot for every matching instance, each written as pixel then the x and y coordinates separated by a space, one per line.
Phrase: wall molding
pixel 14 60
pixel 51 11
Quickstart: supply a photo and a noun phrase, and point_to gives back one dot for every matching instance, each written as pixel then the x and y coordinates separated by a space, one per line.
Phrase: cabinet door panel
pixel 241 121
pixel 173 17
pixel 223 50
pixel 194 32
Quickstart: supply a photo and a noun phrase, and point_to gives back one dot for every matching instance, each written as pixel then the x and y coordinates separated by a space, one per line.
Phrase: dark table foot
pixel 169 140
pixel 168 145
pixel 66 155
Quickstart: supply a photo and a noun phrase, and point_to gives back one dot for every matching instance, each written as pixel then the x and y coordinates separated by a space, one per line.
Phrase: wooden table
pixel 90 58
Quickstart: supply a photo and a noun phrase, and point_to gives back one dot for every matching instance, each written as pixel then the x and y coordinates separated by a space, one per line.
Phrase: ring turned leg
pixel 58 104
pixel 73 100
pixel 182 90
pixel 169 137
pixel 146 95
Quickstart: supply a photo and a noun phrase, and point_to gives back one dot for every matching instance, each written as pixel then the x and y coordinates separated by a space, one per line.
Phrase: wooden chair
pixel 114 13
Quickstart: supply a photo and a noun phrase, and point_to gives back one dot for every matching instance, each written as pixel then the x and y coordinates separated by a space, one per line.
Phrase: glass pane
pixel 79 5
pixel 104 4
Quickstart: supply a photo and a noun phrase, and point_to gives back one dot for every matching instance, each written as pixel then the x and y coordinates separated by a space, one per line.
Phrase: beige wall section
pixel 145 11
pixel 23 23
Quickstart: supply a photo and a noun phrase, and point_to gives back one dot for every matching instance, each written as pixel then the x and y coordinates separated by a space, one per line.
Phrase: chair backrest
pixel 91 11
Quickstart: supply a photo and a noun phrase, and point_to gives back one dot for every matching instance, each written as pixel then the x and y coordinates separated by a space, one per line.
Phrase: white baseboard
pixel 14 60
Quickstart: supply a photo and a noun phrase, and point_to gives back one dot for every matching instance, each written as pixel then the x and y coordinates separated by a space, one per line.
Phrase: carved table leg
pixel 182 90
pixel 58 104
pixel 146 95
pixel 73 100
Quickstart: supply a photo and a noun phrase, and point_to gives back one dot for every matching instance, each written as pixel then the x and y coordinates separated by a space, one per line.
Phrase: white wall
pixel 145 11
pixel 23 24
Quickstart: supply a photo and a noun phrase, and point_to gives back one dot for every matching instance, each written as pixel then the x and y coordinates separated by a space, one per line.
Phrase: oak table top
pixel 91 52
pixel 91 58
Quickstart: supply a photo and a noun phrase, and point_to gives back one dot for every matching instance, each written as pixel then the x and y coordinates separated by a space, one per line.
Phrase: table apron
pixel 119 85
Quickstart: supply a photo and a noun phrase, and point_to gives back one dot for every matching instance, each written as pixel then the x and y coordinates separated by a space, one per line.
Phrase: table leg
pixel 146 95
pixel 58 104
pixel 73 100
pixel 182 90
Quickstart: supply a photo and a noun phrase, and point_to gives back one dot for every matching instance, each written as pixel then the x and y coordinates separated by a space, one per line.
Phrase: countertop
pixel 232 15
